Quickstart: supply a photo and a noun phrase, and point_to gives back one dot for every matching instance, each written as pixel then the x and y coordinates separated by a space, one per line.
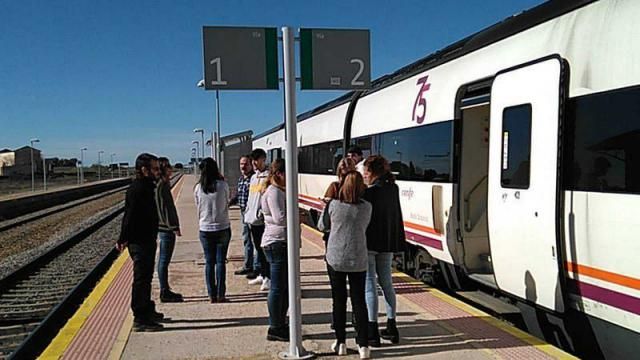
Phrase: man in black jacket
pixel 139 232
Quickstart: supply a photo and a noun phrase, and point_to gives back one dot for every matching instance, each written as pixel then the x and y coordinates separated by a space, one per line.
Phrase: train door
pixel 523 183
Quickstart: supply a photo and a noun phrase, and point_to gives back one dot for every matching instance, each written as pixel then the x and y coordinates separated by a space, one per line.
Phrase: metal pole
pixel 44 172
pixel 99 165
pixel 81 166
pixel 296 351
pixel 33 175
pixel 202 135
pixel 218 159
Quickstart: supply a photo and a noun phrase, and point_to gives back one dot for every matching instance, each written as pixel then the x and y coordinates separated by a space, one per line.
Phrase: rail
pixel 29 325
pixel 468 225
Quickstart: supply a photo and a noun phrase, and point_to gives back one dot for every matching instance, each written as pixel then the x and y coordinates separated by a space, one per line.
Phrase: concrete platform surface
pixel 430 326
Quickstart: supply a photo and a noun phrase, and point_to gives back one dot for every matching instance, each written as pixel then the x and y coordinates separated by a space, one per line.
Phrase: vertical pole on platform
pixel 217 132
pixel 44 173
pixel 296 351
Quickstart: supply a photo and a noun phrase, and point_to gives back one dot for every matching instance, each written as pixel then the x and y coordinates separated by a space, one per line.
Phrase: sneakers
pixel 146 326
pixel 278 334
pixel 168 296
pixel 257 281
pixel 266 284
pixel 251 275
pixel 364 352
pixel 243 271
pixel 339 348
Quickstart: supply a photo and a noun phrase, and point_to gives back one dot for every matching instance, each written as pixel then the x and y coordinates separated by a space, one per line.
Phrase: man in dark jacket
pixel 138 233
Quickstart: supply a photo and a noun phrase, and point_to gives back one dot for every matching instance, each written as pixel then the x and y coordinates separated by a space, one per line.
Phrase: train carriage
pixel 517 152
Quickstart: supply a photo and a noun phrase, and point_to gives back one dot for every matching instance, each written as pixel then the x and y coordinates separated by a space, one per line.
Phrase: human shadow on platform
pixel 316 293
pixel 424 337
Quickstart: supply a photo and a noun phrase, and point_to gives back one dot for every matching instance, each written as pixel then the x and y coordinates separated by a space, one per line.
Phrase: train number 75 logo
pixel 419 115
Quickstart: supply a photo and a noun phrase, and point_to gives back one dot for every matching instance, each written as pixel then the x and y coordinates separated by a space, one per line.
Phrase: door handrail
pixel 467 222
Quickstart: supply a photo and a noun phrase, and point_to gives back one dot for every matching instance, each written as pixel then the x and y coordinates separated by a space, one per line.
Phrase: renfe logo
pixel 407 193
pixel 420 100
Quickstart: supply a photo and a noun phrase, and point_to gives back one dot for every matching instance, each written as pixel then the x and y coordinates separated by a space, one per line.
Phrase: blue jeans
pixel 215 245
pixel 380 266
pixel 278 300
pixel 249 260
pixel 167 244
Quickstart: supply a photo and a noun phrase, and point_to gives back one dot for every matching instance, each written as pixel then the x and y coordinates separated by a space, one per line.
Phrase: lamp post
pixel 193 156
pixel 197 155
pixel 201 131
pixel 82 165
pixel 111 164
pixel 33 171
pixel 200 84
pixel 99 165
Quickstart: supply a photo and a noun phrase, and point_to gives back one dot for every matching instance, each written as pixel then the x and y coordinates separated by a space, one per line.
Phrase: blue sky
pixel 120 76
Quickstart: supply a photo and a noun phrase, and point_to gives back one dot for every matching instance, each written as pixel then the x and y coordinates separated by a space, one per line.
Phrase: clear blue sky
pixel 120 76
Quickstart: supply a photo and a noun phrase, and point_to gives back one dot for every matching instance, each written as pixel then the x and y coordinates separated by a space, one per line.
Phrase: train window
pixel 603 132
pixel 420 153
pixel 516 146
pixel 320 158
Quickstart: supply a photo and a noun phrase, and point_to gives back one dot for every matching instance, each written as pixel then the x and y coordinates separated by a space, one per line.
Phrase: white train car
pixel 517 152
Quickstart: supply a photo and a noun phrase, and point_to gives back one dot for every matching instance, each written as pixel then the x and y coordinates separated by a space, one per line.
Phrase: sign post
pixel 246 58
pixel 296 351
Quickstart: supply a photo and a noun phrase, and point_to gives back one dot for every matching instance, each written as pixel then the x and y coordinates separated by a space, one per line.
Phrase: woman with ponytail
pixel 212 200
pixel 274 244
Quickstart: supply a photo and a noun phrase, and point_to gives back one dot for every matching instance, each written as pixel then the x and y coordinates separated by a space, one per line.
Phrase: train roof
pixel 492 34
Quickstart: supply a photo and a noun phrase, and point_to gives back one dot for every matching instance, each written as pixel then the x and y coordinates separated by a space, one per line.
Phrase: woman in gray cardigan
pixel 347 219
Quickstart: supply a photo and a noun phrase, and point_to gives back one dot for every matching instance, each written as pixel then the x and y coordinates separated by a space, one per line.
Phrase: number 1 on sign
pixel 217 63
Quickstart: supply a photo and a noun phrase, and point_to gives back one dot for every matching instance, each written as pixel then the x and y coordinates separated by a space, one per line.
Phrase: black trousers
pixel 143 257
pixel 338 281
pixel 263 265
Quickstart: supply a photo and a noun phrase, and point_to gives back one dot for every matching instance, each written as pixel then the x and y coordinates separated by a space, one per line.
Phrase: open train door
pixel 524 201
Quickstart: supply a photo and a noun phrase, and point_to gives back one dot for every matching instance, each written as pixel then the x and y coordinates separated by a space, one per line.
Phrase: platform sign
pixel 332 59
pixel 240 58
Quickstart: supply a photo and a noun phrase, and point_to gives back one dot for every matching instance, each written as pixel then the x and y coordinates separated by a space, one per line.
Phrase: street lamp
pixel 193 156
pixel 82 165
pixel 111 164
pixel 99 165
pixel 33 171
pixel 200 84
pixel 197 154
pixel 201 131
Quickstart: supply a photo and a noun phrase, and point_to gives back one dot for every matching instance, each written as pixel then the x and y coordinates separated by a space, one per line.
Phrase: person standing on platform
pixel 274 244
pixel 212 201
pixel 347 219
pixel 255 218
pixel 241 197
pixel 355 153
pixel 168 229
pixel 138 233
pixel 385 236
pixel 344 167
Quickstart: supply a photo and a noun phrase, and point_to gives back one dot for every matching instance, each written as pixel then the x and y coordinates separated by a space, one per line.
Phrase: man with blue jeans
pixel 242 194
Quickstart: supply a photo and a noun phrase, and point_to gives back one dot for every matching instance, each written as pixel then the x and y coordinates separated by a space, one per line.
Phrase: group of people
pixel 362 223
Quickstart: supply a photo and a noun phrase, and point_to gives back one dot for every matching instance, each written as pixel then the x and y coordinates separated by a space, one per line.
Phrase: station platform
pixel 431 323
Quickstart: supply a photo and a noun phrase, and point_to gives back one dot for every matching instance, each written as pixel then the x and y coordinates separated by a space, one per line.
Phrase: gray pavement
pixel 237 330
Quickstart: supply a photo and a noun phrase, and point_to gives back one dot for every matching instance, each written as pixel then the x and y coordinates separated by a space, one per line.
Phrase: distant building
pixel 17 163
pixel 233 147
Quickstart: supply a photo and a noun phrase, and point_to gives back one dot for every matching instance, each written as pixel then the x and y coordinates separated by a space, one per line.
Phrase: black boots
pixel 374 334
pixel 391 332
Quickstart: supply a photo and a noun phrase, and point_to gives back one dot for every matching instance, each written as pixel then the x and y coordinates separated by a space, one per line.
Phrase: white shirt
pixel 213 208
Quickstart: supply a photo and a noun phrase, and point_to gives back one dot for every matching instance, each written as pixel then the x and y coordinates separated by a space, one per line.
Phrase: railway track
pixel 37 299
pixel 26 219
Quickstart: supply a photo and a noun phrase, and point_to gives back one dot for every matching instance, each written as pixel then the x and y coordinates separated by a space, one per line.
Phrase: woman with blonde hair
pixel 274 244
pixel 347 219
pixel 344 166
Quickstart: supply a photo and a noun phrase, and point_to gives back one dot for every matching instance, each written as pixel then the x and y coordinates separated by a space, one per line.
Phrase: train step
pixel 489 302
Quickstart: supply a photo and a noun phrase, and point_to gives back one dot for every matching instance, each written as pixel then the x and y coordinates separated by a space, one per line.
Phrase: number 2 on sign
pixel 420 100
pixel 217 63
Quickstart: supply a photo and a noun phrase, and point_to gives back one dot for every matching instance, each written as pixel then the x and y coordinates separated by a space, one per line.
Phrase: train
pixel 517 155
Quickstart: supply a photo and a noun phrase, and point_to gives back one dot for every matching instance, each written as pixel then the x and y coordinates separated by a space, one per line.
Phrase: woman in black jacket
pixel 385 236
